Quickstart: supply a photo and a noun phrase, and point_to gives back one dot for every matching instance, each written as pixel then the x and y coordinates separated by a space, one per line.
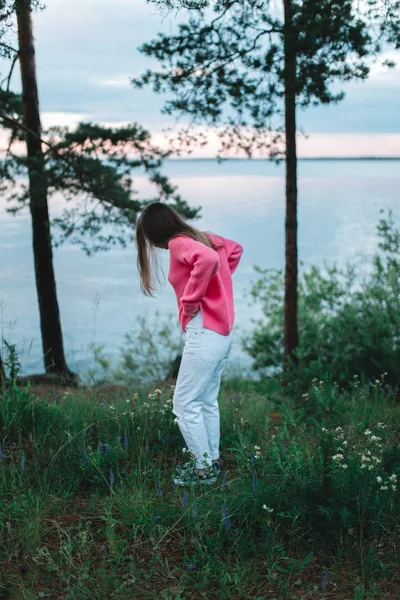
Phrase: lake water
pixel 339 204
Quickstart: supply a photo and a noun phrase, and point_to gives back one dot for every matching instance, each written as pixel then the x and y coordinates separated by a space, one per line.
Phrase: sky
pixel 88 49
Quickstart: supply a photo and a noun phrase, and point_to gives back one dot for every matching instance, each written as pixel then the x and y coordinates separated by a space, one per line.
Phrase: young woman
pixel 201 268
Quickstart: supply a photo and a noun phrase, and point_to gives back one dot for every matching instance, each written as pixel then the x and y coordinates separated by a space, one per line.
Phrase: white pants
pixel 195 401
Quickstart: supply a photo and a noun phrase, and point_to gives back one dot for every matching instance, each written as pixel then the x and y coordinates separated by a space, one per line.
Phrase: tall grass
pixel 306 506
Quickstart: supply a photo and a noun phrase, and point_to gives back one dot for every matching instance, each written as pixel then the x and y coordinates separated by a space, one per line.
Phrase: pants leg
pixel 197 386
pixel 211 415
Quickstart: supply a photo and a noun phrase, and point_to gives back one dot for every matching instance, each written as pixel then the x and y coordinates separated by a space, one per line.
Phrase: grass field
pixel 306 506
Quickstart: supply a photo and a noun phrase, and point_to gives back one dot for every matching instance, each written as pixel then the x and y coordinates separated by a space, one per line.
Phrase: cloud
pixel 62 119
pixel 116 81
pixel 318 145
pixel 87 51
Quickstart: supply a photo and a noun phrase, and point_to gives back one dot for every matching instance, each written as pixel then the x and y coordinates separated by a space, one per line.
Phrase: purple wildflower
pixel 126 443
pixel 225 518
pixel 165 440
pixel 324 582
pixel 185 498
pixel 107 447
pixel 98 448
pixel 158 488
pixel 390 392
pixel 112 478
pixel 155 517
pixel 147 447
pixel 56 396
pixel 190 567
pixel 90 430
pixel 23 462
pixel 194 511
pixel 255 482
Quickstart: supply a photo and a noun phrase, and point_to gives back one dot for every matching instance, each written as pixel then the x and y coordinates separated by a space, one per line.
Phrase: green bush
pixel 349 324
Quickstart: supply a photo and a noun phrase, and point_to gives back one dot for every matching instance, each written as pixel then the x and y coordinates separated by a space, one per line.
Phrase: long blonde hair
pixel 156 226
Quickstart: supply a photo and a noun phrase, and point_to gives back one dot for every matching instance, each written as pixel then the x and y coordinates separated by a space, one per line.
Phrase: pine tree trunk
pixel 290 317
pixel 52 341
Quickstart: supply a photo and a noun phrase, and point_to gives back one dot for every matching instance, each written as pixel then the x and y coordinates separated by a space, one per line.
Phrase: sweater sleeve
pixel 234 253
pixel 204 263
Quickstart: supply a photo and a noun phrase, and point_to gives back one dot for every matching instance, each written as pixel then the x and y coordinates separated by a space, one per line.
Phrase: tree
pixel 246 66
pixel 91 165
pixel 50 324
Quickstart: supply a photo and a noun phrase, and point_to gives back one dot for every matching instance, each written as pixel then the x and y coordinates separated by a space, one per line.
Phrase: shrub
pixel 349 324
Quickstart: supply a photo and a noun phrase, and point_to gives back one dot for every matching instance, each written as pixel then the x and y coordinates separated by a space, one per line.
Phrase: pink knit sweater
pixel 202 280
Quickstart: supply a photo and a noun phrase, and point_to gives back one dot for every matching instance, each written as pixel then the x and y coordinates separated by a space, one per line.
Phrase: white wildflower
pixel 384 487
pixel 379 479
pixel 265 507
pixel 394 488
pixel 367 432
pixel 393 478
pixel 324 429
pixel 338 457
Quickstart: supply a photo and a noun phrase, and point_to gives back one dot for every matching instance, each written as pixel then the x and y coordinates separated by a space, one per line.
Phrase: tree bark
pixel 290 316
pixel 52 341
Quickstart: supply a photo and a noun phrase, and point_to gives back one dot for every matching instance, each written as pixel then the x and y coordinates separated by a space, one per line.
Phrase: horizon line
pixel 322 158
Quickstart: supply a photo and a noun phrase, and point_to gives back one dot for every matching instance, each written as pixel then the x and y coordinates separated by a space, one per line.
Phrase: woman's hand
pixel 191 310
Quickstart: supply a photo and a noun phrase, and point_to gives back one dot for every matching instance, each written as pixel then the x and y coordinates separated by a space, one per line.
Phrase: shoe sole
pixel 180 471
pixel 182 483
